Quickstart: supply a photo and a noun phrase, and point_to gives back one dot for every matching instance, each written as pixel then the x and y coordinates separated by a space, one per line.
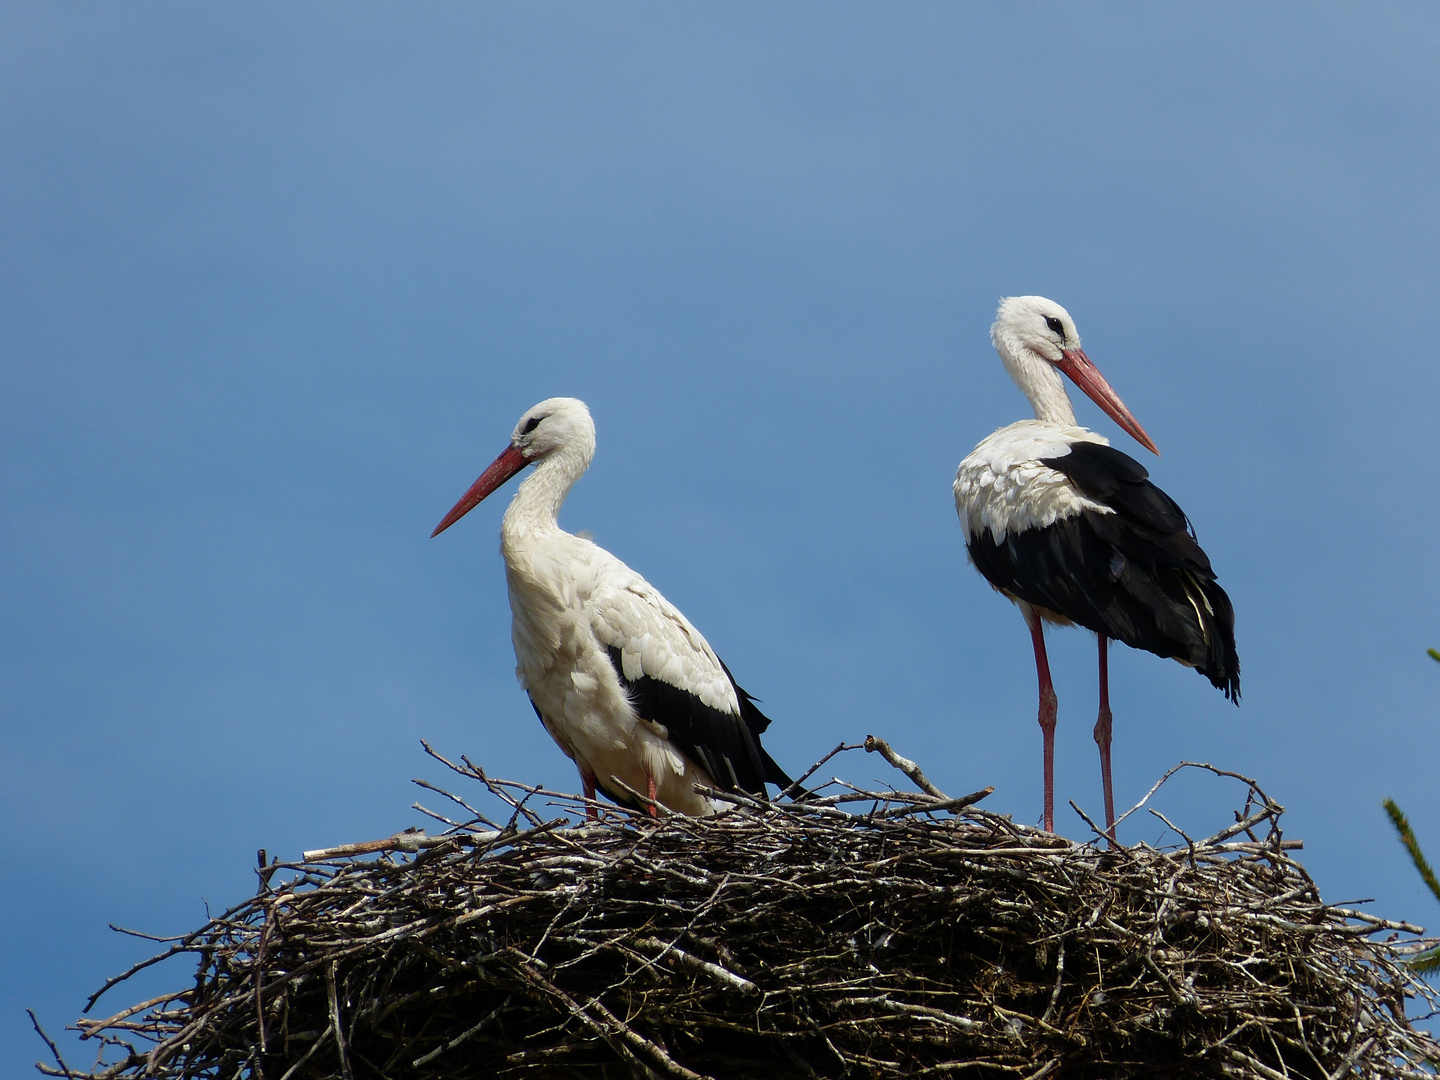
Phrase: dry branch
pixel 864 934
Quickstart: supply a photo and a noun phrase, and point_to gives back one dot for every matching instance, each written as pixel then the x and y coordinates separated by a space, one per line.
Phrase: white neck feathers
pixel 536 506
pixel 1036 377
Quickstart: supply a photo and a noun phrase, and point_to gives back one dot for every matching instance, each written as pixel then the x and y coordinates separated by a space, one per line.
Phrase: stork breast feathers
pixel 1003 485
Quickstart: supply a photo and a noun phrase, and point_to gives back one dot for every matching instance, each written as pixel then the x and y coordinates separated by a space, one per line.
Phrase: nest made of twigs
pixel 866 934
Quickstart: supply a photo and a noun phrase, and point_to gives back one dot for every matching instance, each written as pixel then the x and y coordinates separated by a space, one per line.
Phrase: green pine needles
pixel 1427 962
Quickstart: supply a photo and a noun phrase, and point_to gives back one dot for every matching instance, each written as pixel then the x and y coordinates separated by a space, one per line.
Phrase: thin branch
pixel 904 764
pixel 55 1050
pixel 336 1023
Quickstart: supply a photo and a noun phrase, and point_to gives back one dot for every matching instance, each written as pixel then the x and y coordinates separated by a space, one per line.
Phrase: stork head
pixel 555 425
pixel 1035 337
pixel 1036 325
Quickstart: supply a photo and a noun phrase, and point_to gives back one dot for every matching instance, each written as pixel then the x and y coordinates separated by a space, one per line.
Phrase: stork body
pixel 1072 530
pixel 622 681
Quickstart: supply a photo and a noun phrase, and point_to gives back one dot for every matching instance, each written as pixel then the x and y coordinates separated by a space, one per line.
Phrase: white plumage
pixel 626 686
pixel 1003 486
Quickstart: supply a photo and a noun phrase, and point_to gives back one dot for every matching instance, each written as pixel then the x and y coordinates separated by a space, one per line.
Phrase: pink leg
pixel 1048 706
pixel 587 788
pixel 1102 736
pixel 650 794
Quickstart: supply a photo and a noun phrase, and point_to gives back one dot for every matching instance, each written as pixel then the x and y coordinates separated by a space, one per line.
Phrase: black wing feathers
pixel 1136 575
pixel 1153 519
pixel 757 722
pixel 725 747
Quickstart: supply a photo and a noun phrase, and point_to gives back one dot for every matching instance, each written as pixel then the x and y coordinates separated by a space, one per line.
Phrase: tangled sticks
pixel 865 934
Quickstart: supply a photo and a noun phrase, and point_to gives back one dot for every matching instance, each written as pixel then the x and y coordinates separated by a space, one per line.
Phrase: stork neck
pixel 536 505
pixel 1040 382
pixel 1049 400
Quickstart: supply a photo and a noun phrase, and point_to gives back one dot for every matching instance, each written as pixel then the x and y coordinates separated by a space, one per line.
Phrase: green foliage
pixel 1428 961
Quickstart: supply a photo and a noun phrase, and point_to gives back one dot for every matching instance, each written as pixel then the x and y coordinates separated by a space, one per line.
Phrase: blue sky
pixel 277 280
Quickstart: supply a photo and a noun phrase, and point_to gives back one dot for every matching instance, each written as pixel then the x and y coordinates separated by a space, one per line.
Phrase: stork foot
pixel 651 808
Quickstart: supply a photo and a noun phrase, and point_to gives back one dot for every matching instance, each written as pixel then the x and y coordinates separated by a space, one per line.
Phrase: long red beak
pixel 501 469
pixel 1087 377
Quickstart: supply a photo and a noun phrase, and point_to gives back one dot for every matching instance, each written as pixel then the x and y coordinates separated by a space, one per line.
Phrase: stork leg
pixel 650 794
pixel 587 788
pixel 1048 706
pixel 1102 737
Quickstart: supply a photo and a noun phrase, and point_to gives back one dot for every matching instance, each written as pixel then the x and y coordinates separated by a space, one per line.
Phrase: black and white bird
pixel 620 679
pixel 1072 530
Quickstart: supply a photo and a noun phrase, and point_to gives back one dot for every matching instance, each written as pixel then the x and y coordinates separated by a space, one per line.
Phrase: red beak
pixel 1087 377
pixel 501 469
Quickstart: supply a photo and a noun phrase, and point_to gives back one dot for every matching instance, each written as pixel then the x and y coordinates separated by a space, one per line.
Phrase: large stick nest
pixel 865 934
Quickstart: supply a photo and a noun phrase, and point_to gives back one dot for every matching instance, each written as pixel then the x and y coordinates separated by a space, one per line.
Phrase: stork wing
pixel 1130 569
pixel 675 679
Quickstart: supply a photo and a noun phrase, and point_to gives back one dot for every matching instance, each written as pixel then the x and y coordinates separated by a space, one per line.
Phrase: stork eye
pixel 531 424
pixel 1055 325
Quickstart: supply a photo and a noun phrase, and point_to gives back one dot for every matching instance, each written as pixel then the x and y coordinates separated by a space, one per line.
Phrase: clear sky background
pixel 277 280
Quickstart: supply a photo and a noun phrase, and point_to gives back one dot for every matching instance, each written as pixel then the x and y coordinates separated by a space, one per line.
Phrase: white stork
pixel 620 679
pixel 1073 531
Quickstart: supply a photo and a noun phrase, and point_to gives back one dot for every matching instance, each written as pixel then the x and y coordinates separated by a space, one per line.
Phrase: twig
pixel 904 764
pixel 649 807
pixel 409 840
pixel 335 1022
pixel 48 1042
pixel 144 936
pixel 290 1072
pixel 839 748
pixel 268 916
pixel 928 807
pixel 694 963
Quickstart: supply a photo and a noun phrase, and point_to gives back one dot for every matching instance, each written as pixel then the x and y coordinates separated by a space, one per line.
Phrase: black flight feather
pixel 724 745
